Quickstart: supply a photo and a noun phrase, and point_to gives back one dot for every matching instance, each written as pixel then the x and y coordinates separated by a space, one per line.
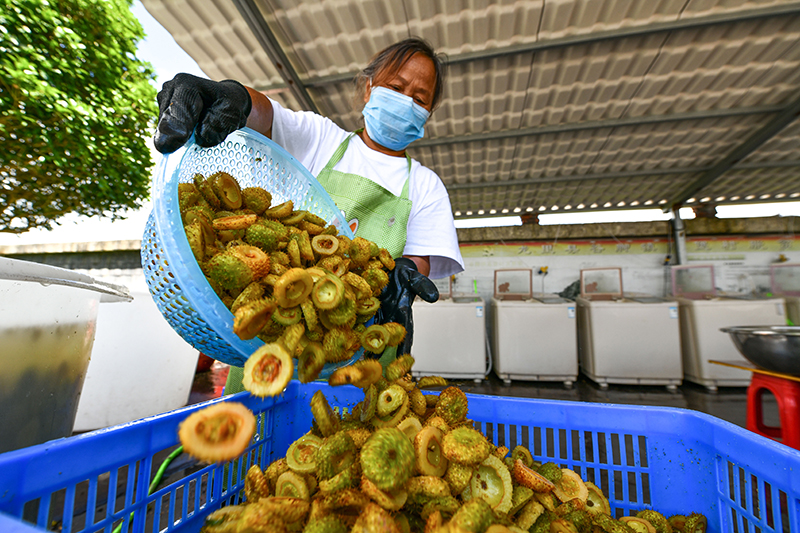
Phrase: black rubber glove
pixel 405 283
pixel 212 109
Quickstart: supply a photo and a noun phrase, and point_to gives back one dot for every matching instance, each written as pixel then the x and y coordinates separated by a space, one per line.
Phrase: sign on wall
pixel 698 248
pixel 741 262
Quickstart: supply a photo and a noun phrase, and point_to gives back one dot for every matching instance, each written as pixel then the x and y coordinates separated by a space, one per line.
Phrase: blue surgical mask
pixel 392 119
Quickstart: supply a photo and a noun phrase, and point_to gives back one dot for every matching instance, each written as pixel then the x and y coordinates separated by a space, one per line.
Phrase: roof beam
pixel 780 121
pixel 618 175
pixel 258 25
pixel 597 124
pixel 749 15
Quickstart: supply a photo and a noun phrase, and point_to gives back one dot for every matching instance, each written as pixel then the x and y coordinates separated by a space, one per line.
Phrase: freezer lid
pixel 647 299
pixel 554 300
pixel 18 270
pixel 466 299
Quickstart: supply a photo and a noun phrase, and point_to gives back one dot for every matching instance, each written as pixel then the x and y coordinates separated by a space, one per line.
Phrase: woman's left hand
pixel 405 284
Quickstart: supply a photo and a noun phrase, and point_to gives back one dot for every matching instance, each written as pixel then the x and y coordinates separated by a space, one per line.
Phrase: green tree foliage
pixel 76 108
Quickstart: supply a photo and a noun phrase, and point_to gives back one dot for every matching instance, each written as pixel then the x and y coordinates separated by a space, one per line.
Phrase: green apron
pixel 372 213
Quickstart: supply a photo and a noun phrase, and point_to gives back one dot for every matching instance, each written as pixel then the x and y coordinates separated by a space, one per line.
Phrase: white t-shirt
pixel 312 139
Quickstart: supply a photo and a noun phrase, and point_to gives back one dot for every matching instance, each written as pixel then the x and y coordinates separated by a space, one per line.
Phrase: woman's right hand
pixel 211 109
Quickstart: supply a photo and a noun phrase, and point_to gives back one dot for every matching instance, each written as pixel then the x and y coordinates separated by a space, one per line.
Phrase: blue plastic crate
pixel 672 460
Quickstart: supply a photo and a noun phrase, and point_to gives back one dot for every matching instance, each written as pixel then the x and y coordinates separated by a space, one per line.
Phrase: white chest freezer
pixel 785 283
pixel 793 309
pixel 450 338
pixel 630 341
pixel 535 339
pixel 703 312
pixel 702 340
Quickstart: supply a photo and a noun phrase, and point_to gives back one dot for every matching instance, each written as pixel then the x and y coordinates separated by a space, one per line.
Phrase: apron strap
pixel 342 148
pixel 339 153
pixel 404 193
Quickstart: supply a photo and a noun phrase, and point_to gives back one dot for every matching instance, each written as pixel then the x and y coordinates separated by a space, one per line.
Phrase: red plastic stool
pixel 787 394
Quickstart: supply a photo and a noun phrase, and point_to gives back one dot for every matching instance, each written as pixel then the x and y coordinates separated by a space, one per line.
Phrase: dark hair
pixel 395 56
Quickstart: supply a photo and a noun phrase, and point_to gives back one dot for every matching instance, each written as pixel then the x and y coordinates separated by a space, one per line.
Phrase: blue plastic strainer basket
pixel 174 278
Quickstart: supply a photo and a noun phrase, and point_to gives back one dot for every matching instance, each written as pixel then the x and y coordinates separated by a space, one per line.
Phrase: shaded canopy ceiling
pixel 549 105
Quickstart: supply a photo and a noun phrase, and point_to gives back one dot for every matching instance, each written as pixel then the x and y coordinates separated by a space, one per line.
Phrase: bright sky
pixel 161 50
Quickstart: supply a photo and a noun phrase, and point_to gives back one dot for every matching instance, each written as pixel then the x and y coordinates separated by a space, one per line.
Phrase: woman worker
pixel 386 196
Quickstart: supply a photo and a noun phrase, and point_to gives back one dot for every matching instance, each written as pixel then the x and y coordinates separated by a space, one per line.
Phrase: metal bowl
pixel 774 348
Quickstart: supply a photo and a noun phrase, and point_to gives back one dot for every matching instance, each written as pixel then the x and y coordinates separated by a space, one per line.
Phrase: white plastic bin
pixel 140 366
pixel 48 320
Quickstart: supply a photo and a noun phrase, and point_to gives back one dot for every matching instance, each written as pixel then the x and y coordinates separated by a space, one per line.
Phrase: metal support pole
pixel 679 234
pixel 269 42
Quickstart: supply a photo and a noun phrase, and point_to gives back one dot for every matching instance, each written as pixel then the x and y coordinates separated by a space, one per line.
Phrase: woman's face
pixel 416 78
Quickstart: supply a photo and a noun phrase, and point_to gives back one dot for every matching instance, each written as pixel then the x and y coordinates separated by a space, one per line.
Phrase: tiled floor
pixel 729 404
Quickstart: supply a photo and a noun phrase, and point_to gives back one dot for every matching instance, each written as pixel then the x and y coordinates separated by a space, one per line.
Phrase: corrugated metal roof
pixel 567 104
